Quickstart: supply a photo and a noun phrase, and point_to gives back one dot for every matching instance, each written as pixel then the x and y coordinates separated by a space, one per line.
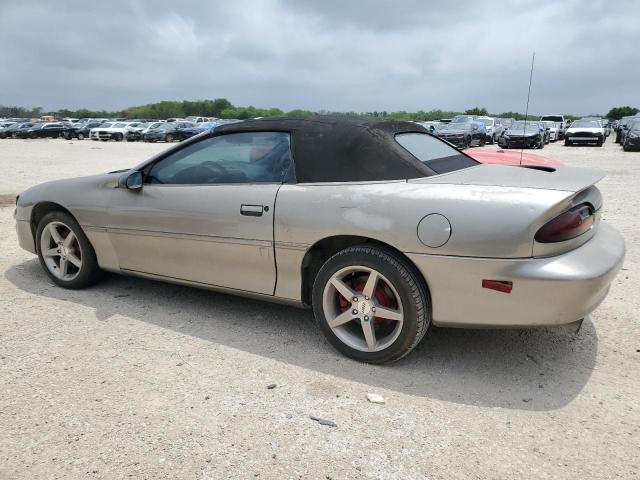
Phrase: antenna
pixel 526 112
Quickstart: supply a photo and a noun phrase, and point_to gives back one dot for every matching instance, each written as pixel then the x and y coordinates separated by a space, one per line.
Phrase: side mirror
pixel 131 180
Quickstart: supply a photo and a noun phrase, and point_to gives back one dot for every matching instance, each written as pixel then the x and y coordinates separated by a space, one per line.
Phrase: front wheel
pixel 65 252
pixel 492 140
pixel 169 138
pixel 371 304
pixel 567 143
pixel 81 136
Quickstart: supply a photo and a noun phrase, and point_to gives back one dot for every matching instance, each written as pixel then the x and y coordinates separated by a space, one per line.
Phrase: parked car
pixel 168 132
pixel 632 137
pixel 41 130
pixel 583 132
pixel 396 245
pixel 135 134
pixel 111 131
pixel 493 129
pixel 79 130
pixel 560 121
pixel 624 130
pixel 552 129
pixel 6 128
pixel 623 125
pixel 197 129
pixel 195 119
pixel 522 134
pixel 14 130
pixel 462 134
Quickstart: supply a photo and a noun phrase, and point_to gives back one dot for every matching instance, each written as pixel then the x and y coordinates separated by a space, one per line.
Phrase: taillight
pixel 567 225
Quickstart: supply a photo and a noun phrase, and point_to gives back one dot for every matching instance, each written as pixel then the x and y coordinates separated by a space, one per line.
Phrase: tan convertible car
pixel 380 227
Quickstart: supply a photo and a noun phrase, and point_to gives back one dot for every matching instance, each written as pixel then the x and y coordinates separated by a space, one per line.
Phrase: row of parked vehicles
pixel 462 131
pixel 628 133
pixel 466 131
pixel 147 130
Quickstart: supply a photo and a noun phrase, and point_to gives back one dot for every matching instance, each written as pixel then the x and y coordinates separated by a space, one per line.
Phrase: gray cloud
pixel 334 55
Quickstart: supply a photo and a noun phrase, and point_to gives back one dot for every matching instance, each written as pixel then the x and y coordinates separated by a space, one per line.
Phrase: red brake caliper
pixel 383 298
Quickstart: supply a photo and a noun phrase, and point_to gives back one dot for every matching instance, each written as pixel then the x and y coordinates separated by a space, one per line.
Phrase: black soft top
pixel 339 149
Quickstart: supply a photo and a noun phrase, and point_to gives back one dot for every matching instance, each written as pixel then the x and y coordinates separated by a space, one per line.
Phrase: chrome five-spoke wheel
pixel 64 251
pixel 61 251
pixel 363 308
pixel 371 303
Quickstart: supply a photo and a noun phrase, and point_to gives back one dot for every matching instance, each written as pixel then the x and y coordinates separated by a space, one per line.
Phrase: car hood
pixel 561 178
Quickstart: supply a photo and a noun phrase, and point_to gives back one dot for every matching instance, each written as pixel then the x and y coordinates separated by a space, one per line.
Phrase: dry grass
pixel 6 199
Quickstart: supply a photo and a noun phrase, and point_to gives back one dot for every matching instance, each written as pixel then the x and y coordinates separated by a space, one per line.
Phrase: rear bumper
pixel 546 291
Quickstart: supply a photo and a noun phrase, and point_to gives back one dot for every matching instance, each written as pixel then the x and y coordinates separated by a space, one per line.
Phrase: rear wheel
pixel 567 143
pixel 118 137
pixel 169 138
pixel 370 304
pixel 80 136
pixel 65 252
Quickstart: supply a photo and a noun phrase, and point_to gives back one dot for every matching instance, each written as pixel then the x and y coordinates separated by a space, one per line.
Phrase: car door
pixel 205 213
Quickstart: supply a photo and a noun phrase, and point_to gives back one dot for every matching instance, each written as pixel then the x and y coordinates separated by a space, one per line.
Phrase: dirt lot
pixel 137 379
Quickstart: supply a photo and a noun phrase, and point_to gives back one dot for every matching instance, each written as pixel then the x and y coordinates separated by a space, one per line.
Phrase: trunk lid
pixel 567 179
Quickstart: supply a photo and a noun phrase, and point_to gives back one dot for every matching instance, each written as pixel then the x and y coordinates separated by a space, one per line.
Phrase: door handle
pixel 252 210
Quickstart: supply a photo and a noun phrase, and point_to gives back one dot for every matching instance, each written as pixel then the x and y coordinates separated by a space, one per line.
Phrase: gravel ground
pixel 139 379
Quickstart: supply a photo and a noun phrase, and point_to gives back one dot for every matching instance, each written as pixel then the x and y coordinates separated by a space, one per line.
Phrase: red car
pixel 509 157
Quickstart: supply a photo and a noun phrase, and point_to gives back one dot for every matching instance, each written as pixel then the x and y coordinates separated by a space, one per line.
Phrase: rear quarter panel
pixel 486 221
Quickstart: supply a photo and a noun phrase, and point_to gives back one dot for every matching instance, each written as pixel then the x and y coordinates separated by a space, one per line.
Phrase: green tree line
pixel 223 108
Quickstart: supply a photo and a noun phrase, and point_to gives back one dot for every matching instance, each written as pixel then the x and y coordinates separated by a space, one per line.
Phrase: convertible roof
pixel 342 149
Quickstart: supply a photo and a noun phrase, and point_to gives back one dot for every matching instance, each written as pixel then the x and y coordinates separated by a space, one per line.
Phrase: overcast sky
pixel 335 55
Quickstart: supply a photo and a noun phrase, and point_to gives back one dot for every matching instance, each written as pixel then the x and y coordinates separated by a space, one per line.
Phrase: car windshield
pixel 586 124
pixel 552 118
pixel 462 119
pixel 120 125
pixel 434 153
pixel 524 126
pixel 106 125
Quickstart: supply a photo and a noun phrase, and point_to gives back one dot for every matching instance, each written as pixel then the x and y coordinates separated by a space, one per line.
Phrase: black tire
pixel 492 140
pixel 567 143
pixel 405 279
pixel 89 272
pixel 80 136
pixel 599 143
pixel 541 144
pixel 33 135
pixel 169 138
pixel 118 137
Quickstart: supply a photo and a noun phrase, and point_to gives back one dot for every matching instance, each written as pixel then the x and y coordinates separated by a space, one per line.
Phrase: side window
pixel 249 157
